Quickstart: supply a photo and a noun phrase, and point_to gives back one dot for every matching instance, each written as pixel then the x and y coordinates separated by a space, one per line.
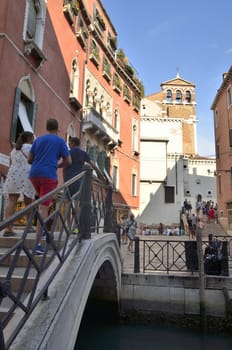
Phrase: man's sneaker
pixel 39 249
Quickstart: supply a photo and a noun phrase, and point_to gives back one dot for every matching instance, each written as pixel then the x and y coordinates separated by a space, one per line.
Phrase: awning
pixel 24 118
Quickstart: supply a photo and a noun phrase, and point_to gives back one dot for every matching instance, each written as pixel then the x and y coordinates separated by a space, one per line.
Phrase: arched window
pixel 25 109
pixel 34 25
pixel 74 79
pixel 116 120
pixel 188 96
pixel 134 136
pixel 178 96
pixel 169 96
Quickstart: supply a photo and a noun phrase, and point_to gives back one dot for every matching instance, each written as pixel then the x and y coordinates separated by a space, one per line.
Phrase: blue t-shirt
pixel 47 150
pixel 79 157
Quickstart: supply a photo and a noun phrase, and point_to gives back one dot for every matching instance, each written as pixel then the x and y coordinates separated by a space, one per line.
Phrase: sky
pixel 163 38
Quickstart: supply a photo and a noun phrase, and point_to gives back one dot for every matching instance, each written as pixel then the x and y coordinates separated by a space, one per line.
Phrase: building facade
pixel 59 59
pixel 171 169
pixel 222 109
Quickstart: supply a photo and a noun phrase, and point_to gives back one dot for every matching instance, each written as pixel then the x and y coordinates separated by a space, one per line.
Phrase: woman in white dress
pixel 17 181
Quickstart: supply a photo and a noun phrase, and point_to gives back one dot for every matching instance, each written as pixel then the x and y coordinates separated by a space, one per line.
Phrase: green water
pixel 107 336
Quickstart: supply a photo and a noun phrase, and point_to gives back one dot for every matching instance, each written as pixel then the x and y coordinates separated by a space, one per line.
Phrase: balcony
pixel 95 124
pixel 82 36
pixel 70 10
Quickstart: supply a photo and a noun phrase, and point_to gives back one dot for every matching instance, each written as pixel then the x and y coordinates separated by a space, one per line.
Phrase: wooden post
pixel 136 256
pixel 199 230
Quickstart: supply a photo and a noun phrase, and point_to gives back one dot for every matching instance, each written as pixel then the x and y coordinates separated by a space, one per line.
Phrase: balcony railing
pixel 93 120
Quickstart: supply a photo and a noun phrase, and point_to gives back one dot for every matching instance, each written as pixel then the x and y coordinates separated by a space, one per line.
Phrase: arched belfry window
pixel 169 96
pixel 188 96
pixel 178 96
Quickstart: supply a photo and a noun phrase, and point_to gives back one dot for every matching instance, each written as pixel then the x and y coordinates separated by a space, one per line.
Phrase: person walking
pixel 45 153
pixel 131 231
pixel 79 157
pixel 17 182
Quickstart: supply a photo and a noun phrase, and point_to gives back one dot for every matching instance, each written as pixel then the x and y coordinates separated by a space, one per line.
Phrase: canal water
pixel 111 336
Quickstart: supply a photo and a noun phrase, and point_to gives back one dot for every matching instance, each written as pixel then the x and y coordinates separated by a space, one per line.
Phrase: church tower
pixel 177 101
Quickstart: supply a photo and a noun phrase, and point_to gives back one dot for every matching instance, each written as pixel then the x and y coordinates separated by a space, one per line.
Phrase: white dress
pixel 17 178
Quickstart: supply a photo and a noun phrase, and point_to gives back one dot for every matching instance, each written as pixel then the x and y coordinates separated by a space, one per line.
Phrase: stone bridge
pixel 95 265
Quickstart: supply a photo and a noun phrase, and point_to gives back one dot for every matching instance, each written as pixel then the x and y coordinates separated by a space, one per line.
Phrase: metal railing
pixel 170 255
pixel 56 234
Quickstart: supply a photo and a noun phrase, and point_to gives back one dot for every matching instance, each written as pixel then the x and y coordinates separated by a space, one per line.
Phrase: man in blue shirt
pixel 44 155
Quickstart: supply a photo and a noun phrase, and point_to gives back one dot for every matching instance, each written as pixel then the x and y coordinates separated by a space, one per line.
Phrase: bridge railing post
pixel 108 213
pixel 85 205
pixel 136 256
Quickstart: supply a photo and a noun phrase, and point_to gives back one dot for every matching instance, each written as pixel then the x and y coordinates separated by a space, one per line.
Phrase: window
pixel 115 176
pixel 74 79
pixel 116 120
pixel 25 110
pixel 169 194
pixel 106 69
pixel 34 26
pixel 94 53
pixel 135 136
pixel 134 183
pixel 188 96
pixel 178 96
pixel 70 9
pixel 229 97
pixel 169 96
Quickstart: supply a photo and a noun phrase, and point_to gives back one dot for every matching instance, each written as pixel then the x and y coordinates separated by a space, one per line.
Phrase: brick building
pixel 59 59
pixel 222 109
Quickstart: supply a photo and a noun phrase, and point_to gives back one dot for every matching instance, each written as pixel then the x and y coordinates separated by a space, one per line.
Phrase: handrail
pixel 172 255
pixel 56 234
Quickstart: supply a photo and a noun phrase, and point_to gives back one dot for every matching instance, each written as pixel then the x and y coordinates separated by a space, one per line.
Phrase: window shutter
pixel 32 113
pixel 15 115
pixel 31 23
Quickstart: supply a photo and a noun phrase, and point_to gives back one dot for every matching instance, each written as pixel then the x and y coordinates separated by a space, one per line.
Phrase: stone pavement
pixel 128 257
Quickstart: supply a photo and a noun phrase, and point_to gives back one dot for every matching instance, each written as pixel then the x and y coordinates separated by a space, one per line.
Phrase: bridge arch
pixel 92 270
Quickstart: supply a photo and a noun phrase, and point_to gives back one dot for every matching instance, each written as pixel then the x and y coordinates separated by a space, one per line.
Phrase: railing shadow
pixel 85 211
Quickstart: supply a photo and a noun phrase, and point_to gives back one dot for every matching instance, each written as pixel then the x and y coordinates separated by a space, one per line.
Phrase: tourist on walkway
pixel 123 229
pixel 44 155
pixel 131 231
pixel 17 182
pixel 194 225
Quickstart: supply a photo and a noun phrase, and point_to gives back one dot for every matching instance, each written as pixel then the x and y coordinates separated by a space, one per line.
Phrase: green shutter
pixel 15 115
pixel 32 113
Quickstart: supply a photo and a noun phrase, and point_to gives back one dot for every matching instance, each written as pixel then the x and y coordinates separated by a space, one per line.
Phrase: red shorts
pixel 44 185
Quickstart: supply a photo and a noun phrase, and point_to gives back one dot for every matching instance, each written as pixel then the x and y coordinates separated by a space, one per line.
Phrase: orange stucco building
pixel 59 59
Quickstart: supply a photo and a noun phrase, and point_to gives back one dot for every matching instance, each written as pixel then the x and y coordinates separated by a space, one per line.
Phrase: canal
pixel 111 336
